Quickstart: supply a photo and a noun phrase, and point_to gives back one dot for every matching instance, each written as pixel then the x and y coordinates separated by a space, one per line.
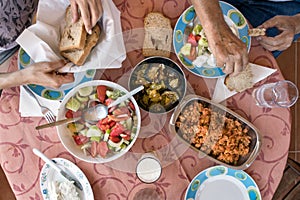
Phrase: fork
pixel 47 113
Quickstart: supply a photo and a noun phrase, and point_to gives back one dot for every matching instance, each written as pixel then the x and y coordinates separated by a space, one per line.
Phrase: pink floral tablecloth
pixel 116 180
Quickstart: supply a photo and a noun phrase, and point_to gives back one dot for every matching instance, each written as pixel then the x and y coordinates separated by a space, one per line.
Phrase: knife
pixel 57 168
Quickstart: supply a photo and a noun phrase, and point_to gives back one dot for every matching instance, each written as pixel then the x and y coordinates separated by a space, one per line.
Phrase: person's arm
pixel 289 27
pixel 228 49
pixel 43 73
pixel 90 10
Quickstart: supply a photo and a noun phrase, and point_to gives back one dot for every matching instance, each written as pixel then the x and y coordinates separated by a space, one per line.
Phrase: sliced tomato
pixel 117 130
pixel 94 149
pixel 192 40
pixel 80 139
pixel 115 139
pixel 101 93
pixel 71 114
pixel 131 105
pixel 102 149
pixel 198 37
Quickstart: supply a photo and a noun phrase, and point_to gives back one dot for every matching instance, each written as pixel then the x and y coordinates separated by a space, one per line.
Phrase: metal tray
pixel 254 146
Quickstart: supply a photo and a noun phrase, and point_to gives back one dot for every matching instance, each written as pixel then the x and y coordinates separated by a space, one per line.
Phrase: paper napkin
pixel 28 107
pixel 41 40
pixel 221 91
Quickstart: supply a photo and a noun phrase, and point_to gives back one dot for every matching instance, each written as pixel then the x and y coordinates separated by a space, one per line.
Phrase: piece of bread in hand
pixel 158 35
pixel 74 34
pixel 78 57
pixel 254 32
pixel 240 82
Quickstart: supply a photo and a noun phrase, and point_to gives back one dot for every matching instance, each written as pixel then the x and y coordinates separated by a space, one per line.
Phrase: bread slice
pixel 158 35
pixel 254 32
pixel 74 34
pixel 78 57
pixel 240 82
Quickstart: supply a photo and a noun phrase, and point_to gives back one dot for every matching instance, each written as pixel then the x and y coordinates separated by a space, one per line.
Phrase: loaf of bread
pixel 78 57
pixel 74 34
pixel 254 32
pixel 240 82
pixel 158 35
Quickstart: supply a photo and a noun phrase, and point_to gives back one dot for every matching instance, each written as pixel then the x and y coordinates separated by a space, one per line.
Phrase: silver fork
pixel 47 113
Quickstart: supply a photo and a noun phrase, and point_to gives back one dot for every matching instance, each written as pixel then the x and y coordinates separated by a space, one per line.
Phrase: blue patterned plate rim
pixel 220 170
pixel 49 93
pixel 187 16
pixel 48 174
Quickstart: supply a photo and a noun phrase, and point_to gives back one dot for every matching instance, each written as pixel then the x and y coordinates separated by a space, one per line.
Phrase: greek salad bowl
pixel 104 140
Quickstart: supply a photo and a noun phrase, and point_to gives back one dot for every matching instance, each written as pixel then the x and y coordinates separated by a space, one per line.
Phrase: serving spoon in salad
pixel 93 114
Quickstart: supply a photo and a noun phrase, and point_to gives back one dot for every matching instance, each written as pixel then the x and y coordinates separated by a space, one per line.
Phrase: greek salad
pixel 109 135
pixel 196 48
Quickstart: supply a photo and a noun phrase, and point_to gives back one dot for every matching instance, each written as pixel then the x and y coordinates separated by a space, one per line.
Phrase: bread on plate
pixel 158 35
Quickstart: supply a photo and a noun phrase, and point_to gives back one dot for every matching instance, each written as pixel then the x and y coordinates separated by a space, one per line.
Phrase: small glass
pixel 148 168
pixel 280 94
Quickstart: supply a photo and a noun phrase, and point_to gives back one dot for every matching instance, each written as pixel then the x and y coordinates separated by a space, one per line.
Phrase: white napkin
pixel 30 108
pixel 40 40
pixel 221 91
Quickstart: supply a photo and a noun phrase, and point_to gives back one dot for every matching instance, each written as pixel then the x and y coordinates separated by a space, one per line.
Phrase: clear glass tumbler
pixel 279 94
pixel 148 168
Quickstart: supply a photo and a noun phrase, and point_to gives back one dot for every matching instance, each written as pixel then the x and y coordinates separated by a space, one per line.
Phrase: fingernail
pixel 89 31
pixel 258 38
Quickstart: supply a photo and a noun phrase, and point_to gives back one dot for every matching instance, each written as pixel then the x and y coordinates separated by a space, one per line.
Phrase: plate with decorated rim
pixel 188 16
pixel 222 179
pixel 24 60
pixel 48 175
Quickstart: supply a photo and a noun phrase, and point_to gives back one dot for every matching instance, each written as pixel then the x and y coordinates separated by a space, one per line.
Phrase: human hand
pixel 90 10
pixel 45 73
pixel 230 52
pixel 287 26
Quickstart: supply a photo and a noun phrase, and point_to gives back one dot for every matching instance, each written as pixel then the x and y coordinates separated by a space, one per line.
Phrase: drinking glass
pixel 279 94
pixel 148 168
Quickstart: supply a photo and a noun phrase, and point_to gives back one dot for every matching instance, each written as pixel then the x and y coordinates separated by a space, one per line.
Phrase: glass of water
pixel 280 94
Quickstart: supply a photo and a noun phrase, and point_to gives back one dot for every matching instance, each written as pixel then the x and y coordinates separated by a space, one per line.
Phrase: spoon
pixel 94 114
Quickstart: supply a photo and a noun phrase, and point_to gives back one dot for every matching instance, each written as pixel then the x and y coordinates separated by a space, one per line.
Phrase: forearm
pixel 297 23
pixel 12 79
pixel 210 15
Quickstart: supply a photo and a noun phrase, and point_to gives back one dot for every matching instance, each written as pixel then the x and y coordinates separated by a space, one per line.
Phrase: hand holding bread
pixel 240 82
pixel 76 44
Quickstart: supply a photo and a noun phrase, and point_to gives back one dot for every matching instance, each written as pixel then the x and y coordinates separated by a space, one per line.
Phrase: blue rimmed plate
pixel 24 60
pixel 232 17
pixel 49 175
pixel 220 182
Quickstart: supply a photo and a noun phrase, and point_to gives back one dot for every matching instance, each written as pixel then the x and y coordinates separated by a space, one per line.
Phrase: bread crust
pixel 254 32
pixel 158 35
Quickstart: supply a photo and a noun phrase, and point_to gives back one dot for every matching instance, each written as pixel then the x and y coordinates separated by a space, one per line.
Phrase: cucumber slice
pixel 85 91
pixel 94 131
pixel 81 98
pixel 73 104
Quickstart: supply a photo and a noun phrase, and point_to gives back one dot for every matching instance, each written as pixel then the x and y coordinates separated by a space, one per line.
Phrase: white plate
pixel 220 182
pixel 49 175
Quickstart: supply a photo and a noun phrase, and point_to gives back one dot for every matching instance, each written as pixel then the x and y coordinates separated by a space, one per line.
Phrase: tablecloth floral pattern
pixel 113 181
